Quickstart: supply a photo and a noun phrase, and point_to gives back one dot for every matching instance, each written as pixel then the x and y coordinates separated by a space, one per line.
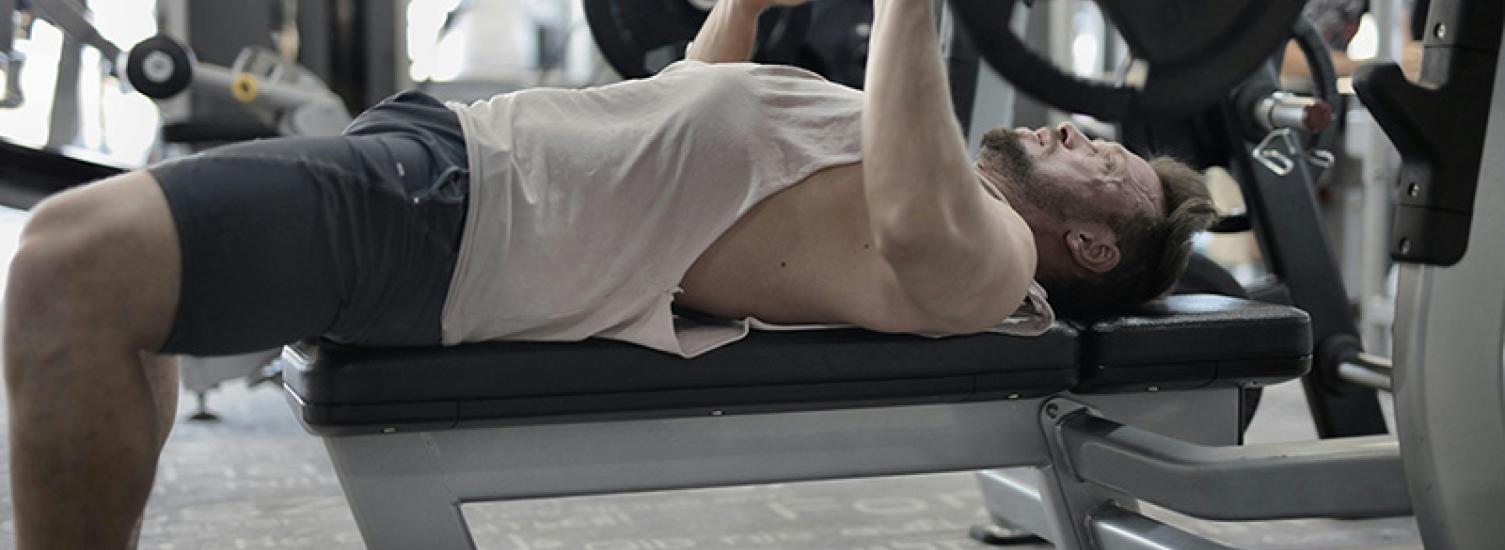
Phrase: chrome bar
pixel 1367 370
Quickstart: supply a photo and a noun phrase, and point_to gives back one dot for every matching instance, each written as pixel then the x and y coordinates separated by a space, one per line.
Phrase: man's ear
pixel 1092 246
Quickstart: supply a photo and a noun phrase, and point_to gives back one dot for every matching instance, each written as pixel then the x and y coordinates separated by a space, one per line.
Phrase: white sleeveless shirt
pixel 588 206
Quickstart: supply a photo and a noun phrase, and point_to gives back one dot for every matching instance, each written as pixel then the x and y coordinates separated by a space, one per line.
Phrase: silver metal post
pixel 10 64
pixel 1379 173
pixel 69 16
pixel 1367 370
pixel 7 28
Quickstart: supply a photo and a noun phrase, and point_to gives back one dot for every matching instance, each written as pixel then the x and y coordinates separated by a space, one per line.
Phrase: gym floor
pixel 254 480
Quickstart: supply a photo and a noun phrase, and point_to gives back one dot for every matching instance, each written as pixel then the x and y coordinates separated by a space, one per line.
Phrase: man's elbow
pixel 998 301
pixel 979 297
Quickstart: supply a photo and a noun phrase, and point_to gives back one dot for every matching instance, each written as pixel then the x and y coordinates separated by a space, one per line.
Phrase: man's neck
pixel 992 187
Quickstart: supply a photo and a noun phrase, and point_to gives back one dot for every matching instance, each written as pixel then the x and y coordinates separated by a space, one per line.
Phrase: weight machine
pixel 1442 149
pixel 283 93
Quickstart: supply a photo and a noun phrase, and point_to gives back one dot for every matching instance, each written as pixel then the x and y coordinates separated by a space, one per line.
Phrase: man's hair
pixel 1153 250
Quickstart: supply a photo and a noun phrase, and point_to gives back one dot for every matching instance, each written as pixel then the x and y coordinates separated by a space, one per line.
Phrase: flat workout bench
pixel 415 432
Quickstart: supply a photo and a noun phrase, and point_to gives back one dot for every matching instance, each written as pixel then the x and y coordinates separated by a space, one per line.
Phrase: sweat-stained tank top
pixel 588 206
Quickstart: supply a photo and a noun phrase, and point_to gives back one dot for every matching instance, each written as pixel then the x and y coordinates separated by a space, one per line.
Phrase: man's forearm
pixel 729 32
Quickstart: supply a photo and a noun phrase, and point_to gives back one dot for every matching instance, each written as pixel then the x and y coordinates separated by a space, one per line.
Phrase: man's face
pixel 1062 172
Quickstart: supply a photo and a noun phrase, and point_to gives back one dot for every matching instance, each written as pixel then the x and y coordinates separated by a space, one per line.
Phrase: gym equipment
pixel 28 175
pixel 1185 54
pixel 415 432
pixel 1450 328
pixel 160 67
pixel 68 15
pixel 10 60
pixel 284 94
pixel 1276 166
pixel 1440 162
pixel 836 44
pixel 828 37
pixel 200 375
pixel 641 37
pixel 1315 115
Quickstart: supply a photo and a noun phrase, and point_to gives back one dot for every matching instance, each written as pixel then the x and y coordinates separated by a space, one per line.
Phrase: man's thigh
pixel 350 237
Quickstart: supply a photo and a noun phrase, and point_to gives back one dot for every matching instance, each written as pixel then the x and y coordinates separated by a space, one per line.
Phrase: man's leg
pixel 162 372
pixel 352 237
pixel 93 285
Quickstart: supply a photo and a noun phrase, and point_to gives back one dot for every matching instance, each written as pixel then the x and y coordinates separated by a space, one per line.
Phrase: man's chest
pixel 804 255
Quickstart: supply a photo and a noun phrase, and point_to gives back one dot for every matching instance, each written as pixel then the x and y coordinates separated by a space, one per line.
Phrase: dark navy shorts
pixel 352 238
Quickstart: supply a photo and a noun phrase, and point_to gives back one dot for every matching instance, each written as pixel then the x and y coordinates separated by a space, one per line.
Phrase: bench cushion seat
pixel 1181 342
pixel 1194 341
pixel 343 388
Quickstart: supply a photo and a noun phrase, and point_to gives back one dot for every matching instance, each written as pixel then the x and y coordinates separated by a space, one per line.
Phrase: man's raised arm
pixel 964 258
pixel 730 31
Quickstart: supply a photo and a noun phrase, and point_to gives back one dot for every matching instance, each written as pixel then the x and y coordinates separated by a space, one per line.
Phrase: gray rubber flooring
pixel 255 480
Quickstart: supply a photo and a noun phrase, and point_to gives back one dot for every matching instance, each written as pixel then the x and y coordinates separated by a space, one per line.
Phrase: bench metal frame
pixel 1078 468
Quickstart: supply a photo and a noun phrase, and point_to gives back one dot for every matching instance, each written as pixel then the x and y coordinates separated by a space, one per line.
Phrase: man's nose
pixel 1070 136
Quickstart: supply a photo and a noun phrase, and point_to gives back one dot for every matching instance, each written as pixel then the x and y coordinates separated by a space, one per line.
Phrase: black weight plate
pixel 1195 52
pixel 159 76
pixel 640 37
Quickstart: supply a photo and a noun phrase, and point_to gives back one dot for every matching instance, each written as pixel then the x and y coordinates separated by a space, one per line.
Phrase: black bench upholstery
pixel 340 386
pixel 1181 342
pixel 1194 341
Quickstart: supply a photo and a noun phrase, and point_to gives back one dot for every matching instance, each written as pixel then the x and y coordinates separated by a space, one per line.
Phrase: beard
pixel 1003 152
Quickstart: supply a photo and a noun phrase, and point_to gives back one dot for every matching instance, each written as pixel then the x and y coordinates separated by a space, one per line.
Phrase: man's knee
pixel 56 272
pixel 96 259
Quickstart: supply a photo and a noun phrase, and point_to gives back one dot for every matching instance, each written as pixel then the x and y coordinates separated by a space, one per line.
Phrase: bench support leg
pixel 1012 497
pixel 395 484
pixel 1055 501
pixel 1070 503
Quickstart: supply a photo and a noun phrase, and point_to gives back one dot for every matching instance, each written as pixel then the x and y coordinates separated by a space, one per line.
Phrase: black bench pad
pixel 1182 342
pixel 1193 341
pixel 343 389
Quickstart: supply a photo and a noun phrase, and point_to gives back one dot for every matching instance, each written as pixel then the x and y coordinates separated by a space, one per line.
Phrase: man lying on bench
pixel 738 190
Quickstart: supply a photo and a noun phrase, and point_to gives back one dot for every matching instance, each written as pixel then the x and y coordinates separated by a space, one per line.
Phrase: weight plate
pixel 159 67
pixel 1187 53
pixel 641 37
